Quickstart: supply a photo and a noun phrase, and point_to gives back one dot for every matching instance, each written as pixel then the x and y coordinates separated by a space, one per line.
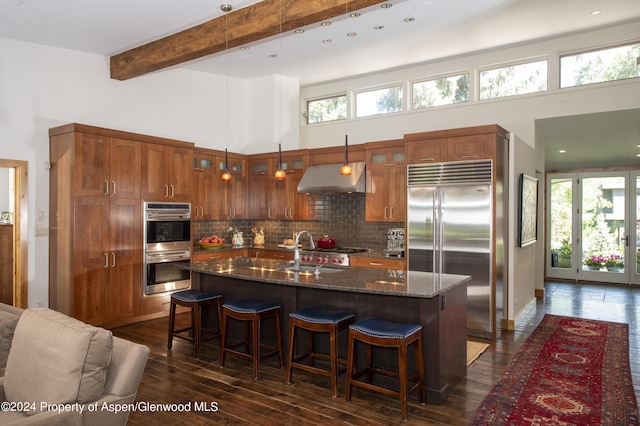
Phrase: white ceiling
pixel 440 28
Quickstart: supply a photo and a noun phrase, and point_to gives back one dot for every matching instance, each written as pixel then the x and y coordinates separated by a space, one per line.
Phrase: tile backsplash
pixel 341 216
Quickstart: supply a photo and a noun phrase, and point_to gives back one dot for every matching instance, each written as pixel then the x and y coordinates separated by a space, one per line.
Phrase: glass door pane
pixel 603 208
pixel 634 237
pixel 560 226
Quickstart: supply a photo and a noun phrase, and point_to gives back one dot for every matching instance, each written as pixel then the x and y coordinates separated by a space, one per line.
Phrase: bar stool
pixel 254 311
pixel 374 332
pixel 195 300
pixel 317 320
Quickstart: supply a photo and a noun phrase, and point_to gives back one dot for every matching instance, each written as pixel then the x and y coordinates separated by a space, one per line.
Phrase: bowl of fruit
pixel 212 242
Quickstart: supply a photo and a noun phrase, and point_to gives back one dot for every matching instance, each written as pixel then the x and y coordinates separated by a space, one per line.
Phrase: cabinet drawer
pixel 214 255
pixel 376 262
pixel 156 303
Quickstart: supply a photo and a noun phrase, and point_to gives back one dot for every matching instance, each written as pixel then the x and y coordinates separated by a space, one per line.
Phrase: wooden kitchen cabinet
pixel 259 202
pixel 386 186
pixel 6 264
pixel 205 256
pixel 204 206
pixel 277 199
pixel 472 143
pixel 270 254
pixel 377 262
pixel 95 244
pixel 167 171
pixel 287 203
pixel 232 203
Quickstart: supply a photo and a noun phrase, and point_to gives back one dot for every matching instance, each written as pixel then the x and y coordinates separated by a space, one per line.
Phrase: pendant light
pixel 345 170
pixel 226 174
pixel 280 174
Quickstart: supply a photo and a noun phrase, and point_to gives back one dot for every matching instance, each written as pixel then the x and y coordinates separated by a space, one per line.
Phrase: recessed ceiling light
pixel 378 27
pixel 562 151
pixel 352 34
pixel 327 41
pixel 595 12
pixel 273 56
pixel 409 19
pixel 355 14
pixel 325 24
pixel 386 5
pixel 299 31
pixel 244 47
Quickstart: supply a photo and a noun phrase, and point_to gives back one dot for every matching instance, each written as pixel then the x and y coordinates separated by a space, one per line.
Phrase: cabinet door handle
pixel 234 212
pixel 469 156
pixel 427 159
pixel 106 188
pixel 375 263
pixel 290 212
pixel 166 191
pixel 391 213
pixel 389 164
pixel 114 187
pixel 113 259
pixel 173 191
pixel 385 212
pixel 269 212
pixel 106 260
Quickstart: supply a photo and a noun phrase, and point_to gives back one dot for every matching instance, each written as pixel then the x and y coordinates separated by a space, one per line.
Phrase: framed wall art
pixel 528 211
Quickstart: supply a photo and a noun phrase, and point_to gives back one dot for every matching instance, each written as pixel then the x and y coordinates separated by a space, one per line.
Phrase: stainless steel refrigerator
pixel 450 215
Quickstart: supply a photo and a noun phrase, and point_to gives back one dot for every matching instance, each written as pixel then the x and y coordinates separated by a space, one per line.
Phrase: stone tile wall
pixel 341 216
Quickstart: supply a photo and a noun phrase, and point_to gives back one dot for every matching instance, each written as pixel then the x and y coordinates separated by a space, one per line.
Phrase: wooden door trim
pixel 21 227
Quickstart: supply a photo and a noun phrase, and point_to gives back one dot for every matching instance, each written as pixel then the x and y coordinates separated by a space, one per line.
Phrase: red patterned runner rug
pixel 570 371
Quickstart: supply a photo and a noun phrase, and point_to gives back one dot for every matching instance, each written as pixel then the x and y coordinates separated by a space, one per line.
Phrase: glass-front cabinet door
pixel 593 227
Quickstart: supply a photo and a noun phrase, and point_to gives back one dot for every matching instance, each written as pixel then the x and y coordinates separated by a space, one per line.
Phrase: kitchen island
pixel 439 305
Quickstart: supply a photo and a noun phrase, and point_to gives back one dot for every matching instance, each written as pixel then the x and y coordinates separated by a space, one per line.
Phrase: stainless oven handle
pixel 167 257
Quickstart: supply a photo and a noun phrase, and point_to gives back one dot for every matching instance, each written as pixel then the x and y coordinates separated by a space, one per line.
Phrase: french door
pixel 593 226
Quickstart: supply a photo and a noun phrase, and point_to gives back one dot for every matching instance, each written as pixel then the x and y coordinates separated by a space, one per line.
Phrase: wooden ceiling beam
pixel 252 23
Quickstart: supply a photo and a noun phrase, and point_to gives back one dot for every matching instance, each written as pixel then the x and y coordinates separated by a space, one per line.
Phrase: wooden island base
pixel 443 318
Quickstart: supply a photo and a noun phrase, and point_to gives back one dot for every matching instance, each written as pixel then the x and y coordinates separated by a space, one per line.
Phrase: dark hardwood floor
pixel 176 377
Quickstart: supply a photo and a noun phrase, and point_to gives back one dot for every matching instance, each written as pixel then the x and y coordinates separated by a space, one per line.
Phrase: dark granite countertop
pixel 350 279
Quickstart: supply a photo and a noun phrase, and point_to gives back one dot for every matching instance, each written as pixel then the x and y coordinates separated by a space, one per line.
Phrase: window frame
pixel 515 63
pixel 322 98
pixel 592 50
pixel 459 73
pixel 355 93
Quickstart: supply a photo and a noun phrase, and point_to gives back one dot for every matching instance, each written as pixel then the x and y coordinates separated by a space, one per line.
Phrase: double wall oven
pixel 167 245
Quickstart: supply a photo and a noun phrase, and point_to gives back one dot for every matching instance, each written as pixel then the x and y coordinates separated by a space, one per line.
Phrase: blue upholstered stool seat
pixel 195 300
pixel 253 311
pixel 317 320
pixel 384 329
pixel 375 332
pixel 250 306
pixel 321 315
pixel 194 296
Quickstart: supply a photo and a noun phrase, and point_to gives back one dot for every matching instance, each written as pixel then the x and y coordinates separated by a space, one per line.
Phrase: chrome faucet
pixel 296 252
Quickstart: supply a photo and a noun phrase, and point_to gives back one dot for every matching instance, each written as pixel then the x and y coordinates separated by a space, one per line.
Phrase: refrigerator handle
pixel 439 241
pixel 436 232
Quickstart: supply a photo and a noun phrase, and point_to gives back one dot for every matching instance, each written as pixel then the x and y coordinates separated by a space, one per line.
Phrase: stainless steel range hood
pixel 326 179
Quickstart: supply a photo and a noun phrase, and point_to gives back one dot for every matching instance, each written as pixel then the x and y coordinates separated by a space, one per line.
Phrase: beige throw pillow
pixel 56 359
pixel 8 324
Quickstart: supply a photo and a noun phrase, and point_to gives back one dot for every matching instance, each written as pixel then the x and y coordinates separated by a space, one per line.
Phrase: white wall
pixel 43 87
pixel 515 114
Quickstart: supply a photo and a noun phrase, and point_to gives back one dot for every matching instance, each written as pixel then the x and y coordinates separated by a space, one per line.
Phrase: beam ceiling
pixel 250 24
